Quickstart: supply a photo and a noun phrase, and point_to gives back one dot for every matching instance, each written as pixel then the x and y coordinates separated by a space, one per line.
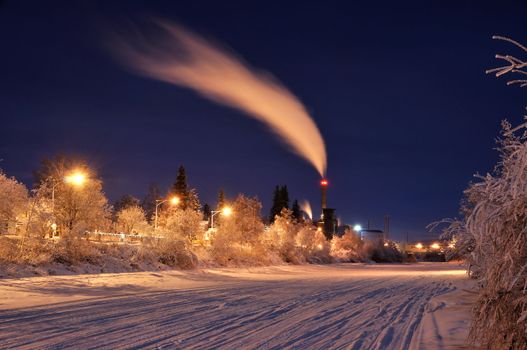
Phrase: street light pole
pixel 226 211
pixel 158 203
pixel 174 201
pixel 53 224
pixel 212 213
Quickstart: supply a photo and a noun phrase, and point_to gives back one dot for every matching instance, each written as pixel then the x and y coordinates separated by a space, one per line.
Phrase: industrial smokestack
pixel 324 185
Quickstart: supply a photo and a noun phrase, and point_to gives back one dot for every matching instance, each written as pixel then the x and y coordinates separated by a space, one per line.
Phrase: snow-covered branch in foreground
pixel 493 237
pixel 515 65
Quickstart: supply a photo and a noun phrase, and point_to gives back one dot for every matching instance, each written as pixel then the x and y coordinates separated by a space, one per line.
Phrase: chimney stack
pixel 324 185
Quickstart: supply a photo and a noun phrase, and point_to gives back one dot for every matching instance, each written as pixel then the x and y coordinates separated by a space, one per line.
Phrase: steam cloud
pixel 178 56
pixel 306 208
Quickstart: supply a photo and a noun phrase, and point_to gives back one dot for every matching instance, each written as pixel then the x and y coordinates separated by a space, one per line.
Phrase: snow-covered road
pixel 343 306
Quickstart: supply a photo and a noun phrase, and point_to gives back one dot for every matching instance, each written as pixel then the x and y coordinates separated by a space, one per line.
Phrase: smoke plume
pixel 177 56
pixel 306 208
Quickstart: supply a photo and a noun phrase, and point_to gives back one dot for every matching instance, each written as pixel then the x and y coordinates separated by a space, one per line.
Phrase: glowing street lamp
pixel 174 200
pixel 77 178
pixel 225 211
pixel 419 246
pixel 435 246
pixel 357 228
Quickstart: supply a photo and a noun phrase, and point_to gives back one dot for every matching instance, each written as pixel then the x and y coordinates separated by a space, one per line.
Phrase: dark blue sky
pixel 397 90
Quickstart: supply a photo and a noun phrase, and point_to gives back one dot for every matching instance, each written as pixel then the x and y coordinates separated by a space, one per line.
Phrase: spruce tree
pixel 221 199
pixel 207 212
pixel 284 198
pixel 276 204
pixel 297 212
pixel 124 202
pixel 180 187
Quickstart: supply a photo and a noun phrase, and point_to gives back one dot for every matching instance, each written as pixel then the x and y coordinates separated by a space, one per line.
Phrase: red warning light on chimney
pixel 324 182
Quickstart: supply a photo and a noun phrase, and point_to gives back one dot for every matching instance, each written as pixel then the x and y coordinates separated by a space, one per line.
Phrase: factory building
pixel 372 235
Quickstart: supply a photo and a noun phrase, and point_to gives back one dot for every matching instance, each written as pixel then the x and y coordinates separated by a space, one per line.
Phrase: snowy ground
pixel 342 306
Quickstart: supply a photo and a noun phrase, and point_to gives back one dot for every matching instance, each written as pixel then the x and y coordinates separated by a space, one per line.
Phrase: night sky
pixel 398 92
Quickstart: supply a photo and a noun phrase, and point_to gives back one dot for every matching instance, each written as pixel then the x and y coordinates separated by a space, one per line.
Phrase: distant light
pixel 419 246
pixel 174 200
pixel 357 228
pixel 435 246
pixel 319 247
pixel 451 245
pixel 319 229
pixel 386 244
pixel 226 211
pixel 324 182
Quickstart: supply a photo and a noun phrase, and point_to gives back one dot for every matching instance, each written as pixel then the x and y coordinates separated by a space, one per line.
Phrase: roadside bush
pixel 347 248
pixel 376 251
pixel 175 253
pixel 72 249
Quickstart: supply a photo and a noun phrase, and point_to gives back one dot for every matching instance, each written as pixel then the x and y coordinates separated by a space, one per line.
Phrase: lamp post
pixel 174 201
pixel 225 211
pixel 53 224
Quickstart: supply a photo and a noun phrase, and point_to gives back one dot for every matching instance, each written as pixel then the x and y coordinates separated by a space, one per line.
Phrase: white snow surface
pixel 339 306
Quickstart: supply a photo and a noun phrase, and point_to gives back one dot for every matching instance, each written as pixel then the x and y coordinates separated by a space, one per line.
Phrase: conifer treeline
pixel 281 201
pixel 189 199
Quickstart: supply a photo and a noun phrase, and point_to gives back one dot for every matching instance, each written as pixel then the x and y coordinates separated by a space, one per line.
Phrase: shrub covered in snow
pixel 132 219
pixel 239 238
pixel 492 236
pixel 493 239
pixel 181 224
pixel 13 199
pixel 296 241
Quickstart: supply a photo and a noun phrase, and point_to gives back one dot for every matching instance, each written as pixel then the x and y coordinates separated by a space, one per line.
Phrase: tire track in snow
pixel 341 311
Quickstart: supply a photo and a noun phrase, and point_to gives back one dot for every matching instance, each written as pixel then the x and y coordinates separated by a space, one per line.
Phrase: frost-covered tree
pixel 245 224
pixel 55 168
pixel 40 214
pixel 282 230
pixel 124 202
pixel 131 219
pixel 80 208
pixel 347 248
pixel 13 199
pixel 239 237
pixel 193 200
pixel 515 65
pixel 492 234
pixel 281 237
pixel 313 243
pixel 182 224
